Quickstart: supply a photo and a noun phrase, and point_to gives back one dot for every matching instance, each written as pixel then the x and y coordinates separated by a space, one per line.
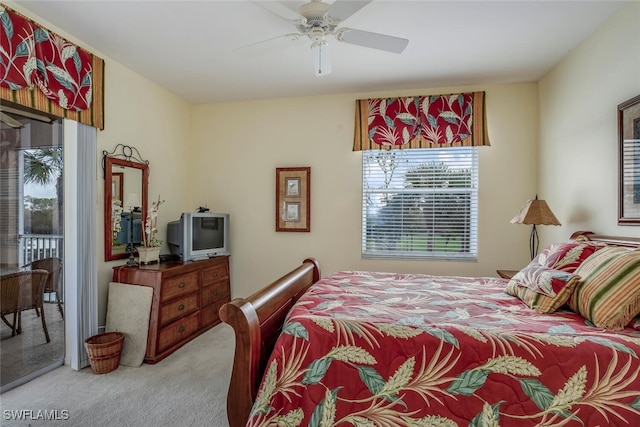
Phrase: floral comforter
pixel 385 349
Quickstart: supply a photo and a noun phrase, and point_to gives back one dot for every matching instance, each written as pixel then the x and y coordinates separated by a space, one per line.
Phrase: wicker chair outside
pixel 54 281
pixel 9 297
pixel 22 291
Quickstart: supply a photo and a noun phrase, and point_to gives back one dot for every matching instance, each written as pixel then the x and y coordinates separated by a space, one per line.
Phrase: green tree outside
pixel 44 166
pixel 38 215
pixel 424 221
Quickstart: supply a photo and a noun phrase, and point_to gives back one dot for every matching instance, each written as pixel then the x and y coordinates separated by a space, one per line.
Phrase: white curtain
pixel 81 292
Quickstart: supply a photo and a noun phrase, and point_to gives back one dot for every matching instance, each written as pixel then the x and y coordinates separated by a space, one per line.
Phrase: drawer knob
pixel 181 307
pixel 181 285
pixel 214 293
pixel 215 274
pixel 181 330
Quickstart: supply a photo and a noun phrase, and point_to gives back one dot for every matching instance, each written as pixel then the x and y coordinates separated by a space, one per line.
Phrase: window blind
pixel 420 203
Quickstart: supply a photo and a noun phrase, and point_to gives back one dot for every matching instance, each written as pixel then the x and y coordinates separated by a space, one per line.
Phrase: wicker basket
pixel 104 351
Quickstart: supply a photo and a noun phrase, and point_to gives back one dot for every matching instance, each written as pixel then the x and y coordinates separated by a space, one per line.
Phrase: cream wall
pixel 143 115
pixel 579 133
pixel 237 147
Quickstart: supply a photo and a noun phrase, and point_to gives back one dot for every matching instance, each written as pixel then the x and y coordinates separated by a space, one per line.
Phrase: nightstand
pixel 506 274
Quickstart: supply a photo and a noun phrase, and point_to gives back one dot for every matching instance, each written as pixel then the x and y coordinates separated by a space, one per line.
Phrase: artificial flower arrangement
pixel 116 217
pixel 149 237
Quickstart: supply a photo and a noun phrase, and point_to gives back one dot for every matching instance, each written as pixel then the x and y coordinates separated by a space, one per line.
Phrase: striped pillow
pixel 542 289
pixel 609 293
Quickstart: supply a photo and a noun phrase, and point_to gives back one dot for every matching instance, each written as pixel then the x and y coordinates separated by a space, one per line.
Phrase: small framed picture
pixel 117 182
pixel 293 187
pixel 291 211
pixel 293 199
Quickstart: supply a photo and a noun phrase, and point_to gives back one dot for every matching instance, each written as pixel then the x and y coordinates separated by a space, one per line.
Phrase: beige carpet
pixel 188 388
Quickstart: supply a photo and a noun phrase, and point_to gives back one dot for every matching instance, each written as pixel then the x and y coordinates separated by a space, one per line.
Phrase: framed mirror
pixel 126 181
pixel 629 162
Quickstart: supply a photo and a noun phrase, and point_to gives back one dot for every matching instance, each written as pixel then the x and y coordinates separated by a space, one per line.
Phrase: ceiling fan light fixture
pixel 321 58
pixel 317 19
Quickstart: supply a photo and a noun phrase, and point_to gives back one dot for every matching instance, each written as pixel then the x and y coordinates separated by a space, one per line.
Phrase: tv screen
pixel 207 233
pixel 199 235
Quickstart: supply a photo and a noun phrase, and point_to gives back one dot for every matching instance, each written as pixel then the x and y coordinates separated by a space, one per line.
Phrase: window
pixel 420 203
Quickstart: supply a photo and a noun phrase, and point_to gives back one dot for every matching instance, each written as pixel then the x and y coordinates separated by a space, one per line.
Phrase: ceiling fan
pixel 317 20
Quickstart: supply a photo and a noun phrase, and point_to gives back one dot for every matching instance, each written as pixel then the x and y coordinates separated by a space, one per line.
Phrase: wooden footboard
pixel 257 322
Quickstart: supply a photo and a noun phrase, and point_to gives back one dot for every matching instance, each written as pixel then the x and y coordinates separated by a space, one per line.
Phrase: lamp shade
pixel 536 212
pixel 133 201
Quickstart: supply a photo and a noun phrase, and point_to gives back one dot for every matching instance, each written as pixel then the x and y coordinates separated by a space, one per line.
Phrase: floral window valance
pixel 433 121
pixel 41 70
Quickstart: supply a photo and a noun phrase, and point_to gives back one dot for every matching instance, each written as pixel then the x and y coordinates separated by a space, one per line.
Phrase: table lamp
pixel 133 202
pixel 535 212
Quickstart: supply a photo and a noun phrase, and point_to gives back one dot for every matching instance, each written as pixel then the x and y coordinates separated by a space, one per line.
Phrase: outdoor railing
pixel 38 246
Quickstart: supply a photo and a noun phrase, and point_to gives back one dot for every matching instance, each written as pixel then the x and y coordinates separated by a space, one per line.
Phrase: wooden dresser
pixel 185 303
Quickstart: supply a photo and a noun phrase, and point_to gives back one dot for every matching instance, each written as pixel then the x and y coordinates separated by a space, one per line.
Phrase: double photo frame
pixel 293 199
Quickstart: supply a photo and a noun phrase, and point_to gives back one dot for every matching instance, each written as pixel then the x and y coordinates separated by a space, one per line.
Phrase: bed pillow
pixel 566 256
pixel 541 288
pixel 609 293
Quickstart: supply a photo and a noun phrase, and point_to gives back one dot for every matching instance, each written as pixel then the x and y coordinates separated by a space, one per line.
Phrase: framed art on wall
pixel 629 162
pixel 117 182
pixel 293 199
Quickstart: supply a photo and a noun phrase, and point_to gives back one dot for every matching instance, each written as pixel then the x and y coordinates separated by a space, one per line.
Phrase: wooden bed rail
pixel 257 321
pixel 629 242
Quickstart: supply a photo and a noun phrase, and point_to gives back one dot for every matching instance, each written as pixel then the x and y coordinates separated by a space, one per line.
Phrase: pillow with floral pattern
pixel 566 256
pixel 541 288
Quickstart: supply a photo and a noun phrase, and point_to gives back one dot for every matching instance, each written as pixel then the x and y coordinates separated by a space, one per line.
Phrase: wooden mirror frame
pixel 628 167
pixel 109 162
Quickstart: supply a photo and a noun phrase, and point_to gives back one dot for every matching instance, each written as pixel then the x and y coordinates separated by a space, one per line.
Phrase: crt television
pixel 199 235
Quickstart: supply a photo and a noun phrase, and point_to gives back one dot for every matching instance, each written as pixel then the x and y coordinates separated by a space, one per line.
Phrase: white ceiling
pixel 200 50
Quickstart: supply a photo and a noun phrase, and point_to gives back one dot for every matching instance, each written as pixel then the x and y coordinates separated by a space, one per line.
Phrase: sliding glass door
pixel 32 338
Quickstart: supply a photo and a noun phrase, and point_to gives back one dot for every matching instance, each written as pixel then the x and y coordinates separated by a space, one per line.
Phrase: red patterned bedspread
pixel 385 349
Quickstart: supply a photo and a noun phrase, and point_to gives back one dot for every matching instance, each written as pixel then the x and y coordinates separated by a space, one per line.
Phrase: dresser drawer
pixel 179 285
pixel 215 273
pixel 209 314
pixel 178 330
pixel 214 292
pixel 178 308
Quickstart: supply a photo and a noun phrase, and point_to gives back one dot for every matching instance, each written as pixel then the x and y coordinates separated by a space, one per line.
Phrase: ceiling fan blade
pixel 10 121
pixel 41 118
pixel 372 40
pixel 281 11
pixel 290 36
pixel 342 9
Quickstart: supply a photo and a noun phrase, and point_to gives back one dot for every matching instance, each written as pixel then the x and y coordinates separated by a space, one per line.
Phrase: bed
pixel 372 348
